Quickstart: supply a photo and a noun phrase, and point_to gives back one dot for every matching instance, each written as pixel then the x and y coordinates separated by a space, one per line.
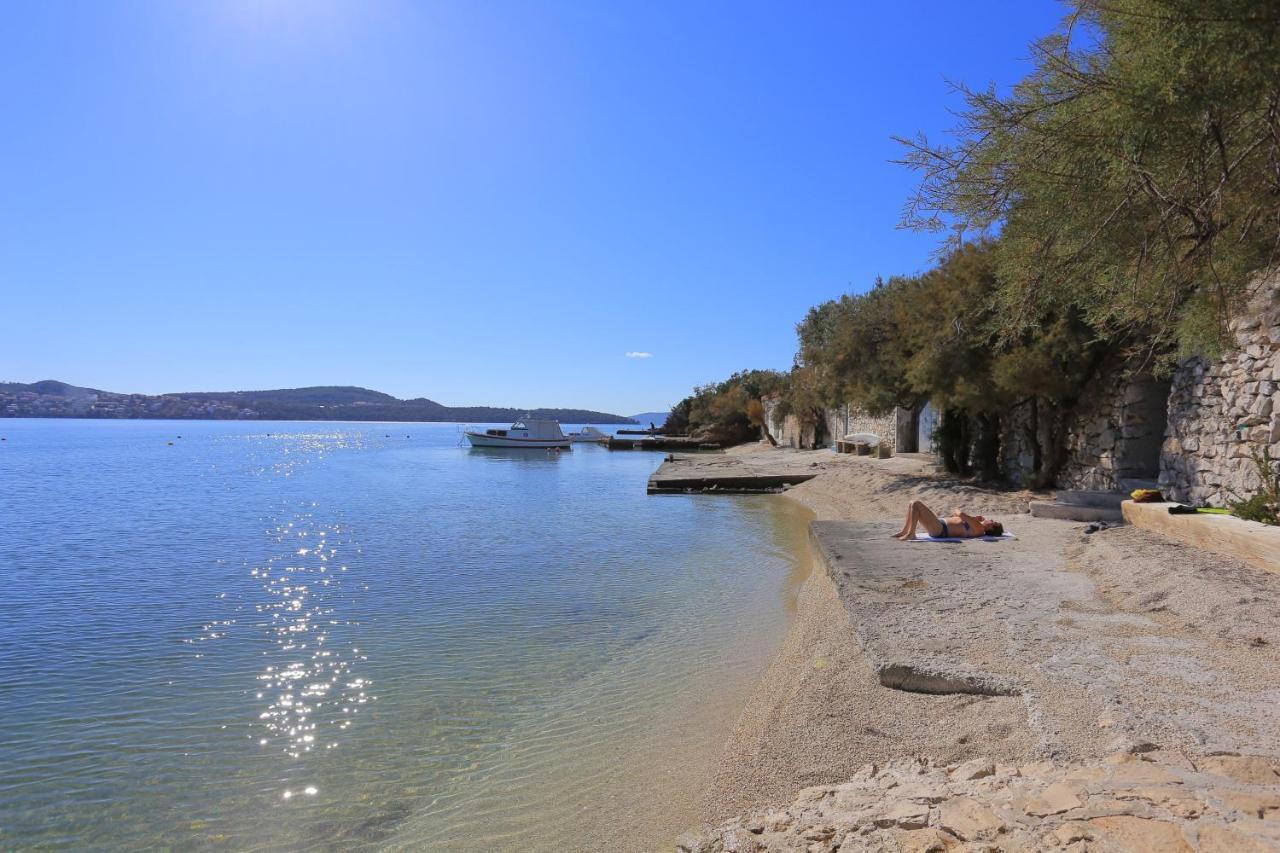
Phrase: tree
pixel 1133 176
pixel 731 411
pixel 853 348
pixel 942 337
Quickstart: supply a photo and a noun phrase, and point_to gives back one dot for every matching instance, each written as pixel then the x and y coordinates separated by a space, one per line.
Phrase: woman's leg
pixel 926 518
pixel 913 519
pixel 921 515
pixel 908 526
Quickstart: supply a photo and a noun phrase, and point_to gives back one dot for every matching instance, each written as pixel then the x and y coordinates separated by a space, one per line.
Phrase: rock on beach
pixel 1125 802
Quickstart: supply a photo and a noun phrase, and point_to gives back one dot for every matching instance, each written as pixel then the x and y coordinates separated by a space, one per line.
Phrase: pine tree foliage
pixel 1133 176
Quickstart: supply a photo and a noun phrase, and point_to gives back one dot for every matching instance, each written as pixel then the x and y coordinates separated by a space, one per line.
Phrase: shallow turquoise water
pixel 275 635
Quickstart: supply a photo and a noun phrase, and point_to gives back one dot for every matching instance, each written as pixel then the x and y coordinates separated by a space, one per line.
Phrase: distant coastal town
pixel 36 403
pixel 53 399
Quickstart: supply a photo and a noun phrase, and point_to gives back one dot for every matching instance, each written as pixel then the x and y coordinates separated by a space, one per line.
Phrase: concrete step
pixel 1103 500
pixel 1128 484
pixel 1072 512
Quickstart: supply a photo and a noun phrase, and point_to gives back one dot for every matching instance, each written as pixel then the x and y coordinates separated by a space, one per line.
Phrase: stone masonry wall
pixel 1017 459
pixel 1114 433
pixel 1223 410
pixel 885 426
pixel 788 431
pixel 1117 435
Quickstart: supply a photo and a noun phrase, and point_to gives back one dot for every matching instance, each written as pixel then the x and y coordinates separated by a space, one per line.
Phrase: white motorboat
pixel 589 433
pixel 528 433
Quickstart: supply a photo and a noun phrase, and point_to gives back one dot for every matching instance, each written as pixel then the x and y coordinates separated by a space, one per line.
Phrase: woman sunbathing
pixel 959 524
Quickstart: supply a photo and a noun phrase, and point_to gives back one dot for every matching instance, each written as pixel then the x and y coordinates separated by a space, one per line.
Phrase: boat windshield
pixel 519 425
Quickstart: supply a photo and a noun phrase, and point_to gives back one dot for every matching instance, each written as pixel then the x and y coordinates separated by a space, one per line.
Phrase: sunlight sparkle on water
pixel 297 618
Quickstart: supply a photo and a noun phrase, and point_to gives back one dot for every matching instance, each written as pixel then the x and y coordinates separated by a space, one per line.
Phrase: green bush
pixel 730 411
pixel 1256 508
pixel 1265 505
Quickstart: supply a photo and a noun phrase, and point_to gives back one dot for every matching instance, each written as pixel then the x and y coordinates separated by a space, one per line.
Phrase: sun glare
pixel 298 17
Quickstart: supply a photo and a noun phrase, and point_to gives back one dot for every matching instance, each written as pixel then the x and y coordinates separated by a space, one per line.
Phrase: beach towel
pixel 923 537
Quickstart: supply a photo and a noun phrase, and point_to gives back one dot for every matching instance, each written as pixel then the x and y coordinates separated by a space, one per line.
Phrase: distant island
pixel 655 418
pixel 53 399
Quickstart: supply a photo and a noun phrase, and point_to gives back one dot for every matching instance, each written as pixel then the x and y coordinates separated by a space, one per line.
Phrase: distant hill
pixel 320 395
pixel 646 418
pixel 53 399
pixel 48 386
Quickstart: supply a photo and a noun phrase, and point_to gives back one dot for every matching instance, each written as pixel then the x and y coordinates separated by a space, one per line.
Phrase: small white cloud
pixel 639 355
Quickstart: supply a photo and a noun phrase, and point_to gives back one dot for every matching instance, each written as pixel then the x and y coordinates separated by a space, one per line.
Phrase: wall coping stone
pixel 1251 541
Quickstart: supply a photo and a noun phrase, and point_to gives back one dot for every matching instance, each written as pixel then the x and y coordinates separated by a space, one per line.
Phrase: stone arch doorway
pixel 1144 416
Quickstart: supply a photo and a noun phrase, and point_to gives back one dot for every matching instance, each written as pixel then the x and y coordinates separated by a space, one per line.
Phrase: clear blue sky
pixel 477 202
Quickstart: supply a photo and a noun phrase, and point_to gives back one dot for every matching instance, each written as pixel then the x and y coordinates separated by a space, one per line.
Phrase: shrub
pixel 1264 506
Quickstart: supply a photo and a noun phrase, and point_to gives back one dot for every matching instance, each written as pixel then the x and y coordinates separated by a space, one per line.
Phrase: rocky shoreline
pixel 1125 802
pixel 1140 674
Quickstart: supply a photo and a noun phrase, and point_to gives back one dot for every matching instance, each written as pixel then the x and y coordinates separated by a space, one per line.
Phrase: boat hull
pixel 479 439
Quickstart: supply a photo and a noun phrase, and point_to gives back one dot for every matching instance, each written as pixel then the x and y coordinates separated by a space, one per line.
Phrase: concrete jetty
pixel 660 443
pixel 728 474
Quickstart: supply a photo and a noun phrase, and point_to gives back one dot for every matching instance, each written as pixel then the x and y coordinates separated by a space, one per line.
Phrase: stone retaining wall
pixel 1114 433
pixel 1221 411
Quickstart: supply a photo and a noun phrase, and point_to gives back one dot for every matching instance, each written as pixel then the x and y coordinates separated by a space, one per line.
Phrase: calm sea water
pixel 284 635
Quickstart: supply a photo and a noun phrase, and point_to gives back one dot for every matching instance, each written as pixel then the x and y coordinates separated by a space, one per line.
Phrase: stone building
pixel 900 429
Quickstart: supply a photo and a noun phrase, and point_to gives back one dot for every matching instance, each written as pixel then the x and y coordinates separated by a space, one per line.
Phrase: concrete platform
pixel 660 443
pixel 1128 484
pixel 1255 543
pixel 1077 497
pixel 724 474
pixel 1075 512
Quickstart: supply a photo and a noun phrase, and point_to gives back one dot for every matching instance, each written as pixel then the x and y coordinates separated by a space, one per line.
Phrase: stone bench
pixel 1250 541
pixel 864 448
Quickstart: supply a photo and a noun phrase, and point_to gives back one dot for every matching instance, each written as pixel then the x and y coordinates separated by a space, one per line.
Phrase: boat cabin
pixel 529 428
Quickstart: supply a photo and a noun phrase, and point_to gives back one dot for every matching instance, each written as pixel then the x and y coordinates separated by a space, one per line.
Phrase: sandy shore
pixel 1118 643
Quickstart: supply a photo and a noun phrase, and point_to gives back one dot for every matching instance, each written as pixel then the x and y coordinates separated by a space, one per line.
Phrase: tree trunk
pixel 954 439
pixel 1033 434
pixel 986 449
pixel 1055 455
pixel 819 429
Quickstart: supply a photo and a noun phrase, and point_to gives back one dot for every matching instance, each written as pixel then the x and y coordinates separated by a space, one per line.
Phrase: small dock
pixel 660 443
pixel 737 475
